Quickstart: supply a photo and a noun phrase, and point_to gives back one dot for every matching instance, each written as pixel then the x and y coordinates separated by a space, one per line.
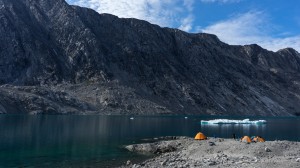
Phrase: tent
pixel 258 139
pixel 200 136
pixel 246 139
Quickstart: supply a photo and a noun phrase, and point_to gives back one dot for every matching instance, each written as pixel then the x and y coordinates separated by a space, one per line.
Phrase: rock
pixel 255 160
pixel 147 70
pixel 165 149
pixel 238 162
pixel 163 163
pixel 267 149
pixel 155 148
pixel 220 139
pixel 186 165
pixel 211 144
pixel 130 148
pixel 234 154
pixel 136 166
pixel 212 163
pixel 128 162
pixel 171 164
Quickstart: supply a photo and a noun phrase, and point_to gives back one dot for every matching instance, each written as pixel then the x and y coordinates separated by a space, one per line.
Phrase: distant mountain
pixel 57 58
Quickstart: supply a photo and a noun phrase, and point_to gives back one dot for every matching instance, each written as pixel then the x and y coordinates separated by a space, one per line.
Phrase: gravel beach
pixel 217 152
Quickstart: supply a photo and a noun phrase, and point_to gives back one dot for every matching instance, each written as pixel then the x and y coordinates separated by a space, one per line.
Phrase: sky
pixel 272 24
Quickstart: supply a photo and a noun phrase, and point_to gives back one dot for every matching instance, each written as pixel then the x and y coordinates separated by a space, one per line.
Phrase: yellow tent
pixel 246 139
pixel 200 136
pixel 258 139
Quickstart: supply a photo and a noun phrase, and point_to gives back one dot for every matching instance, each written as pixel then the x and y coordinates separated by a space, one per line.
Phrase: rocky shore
pixel 217 152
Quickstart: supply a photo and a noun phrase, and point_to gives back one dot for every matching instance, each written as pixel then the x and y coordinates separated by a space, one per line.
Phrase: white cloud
pixel 280 43
pixel 187 23
pixel 189 4
pixel 249 28
pixel 220 1
pixel 166 13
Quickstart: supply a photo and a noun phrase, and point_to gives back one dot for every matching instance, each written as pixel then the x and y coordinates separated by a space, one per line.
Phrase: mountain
pixel 61 59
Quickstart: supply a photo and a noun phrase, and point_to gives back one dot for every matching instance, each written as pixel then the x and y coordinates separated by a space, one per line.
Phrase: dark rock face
pixel 57 58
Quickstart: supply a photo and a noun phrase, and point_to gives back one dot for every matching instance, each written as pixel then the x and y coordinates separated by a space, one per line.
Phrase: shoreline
pixel 188 115
pixel 217 152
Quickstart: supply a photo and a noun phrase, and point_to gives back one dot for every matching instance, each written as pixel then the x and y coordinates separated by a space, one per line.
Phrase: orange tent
pixel 258 139
pixel 246 139
pixel 200 136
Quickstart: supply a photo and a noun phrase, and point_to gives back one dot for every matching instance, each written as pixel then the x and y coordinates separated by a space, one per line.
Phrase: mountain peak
pixel 288 50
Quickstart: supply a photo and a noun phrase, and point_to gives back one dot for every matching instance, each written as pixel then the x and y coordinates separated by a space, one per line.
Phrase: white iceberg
pixel 226 121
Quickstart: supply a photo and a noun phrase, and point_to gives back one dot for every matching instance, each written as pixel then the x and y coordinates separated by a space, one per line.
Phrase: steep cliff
pixel 57 58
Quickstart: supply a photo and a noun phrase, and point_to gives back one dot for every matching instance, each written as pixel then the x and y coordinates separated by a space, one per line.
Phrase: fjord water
pixel 97 141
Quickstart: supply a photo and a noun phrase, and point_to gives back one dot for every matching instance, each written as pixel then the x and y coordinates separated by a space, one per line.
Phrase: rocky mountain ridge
pixel 57 58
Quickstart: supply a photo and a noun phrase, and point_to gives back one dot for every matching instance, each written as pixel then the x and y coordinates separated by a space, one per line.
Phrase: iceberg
pixel 227 121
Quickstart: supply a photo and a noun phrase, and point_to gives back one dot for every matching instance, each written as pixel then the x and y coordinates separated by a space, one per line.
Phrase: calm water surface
pixel 96 141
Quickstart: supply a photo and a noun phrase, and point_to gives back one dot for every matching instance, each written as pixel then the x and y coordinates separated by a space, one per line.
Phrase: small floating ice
pixel 226 121
pixel 185 117
pixel 131 118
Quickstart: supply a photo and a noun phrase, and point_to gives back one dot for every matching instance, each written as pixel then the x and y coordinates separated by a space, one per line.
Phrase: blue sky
pixel 273 24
